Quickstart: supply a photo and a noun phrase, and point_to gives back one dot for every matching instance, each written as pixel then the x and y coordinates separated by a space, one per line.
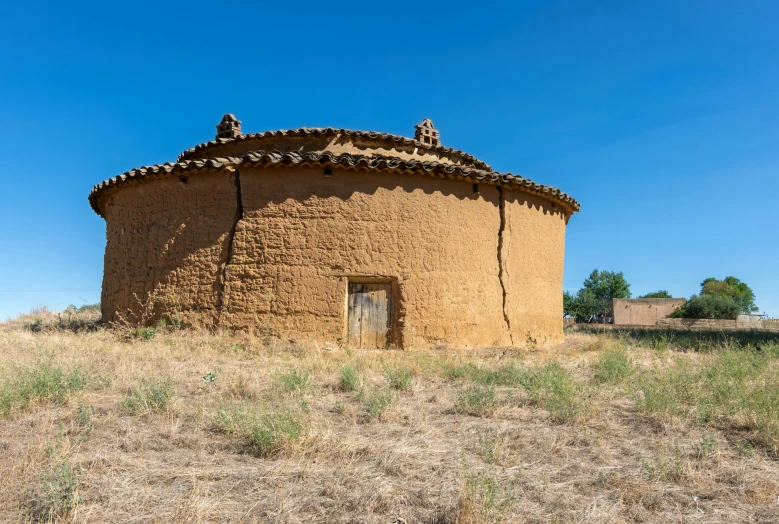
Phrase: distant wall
pixel 706 323
pixel 644 311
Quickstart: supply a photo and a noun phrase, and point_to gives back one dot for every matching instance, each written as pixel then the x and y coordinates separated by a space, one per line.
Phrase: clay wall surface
pixel 533 252
pixel 167 236
pixel 303 236
pixel 644 311
pixel 274 249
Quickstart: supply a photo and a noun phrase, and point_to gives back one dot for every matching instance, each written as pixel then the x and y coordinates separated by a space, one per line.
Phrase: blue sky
pixel 659 117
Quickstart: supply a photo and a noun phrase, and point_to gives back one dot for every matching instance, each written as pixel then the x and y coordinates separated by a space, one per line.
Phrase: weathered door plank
pixel 368 315
pixel 355 306
pixel 382 315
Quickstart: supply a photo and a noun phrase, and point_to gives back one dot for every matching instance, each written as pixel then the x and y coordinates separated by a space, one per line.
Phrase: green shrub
pixel 22 386
pixel 350 379
pixel 399 377
pixel 150 396
pixel 479 401
pixel 708 306
pixel 613 365
pixel 555 389
pixel 657 294
pixel 144 333
pixel 265 434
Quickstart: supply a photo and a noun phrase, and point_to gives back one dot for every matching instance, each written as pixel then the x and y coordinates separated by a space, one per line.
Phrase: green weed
pixel 265 434
pixel 293 381
pixel 481 499
pixel 399 377
pixel 22 386
pixel 479 401
pixel 149 397
pixel 557 391
pixel 376 403
pixel 666 469
pixel 350 380
pixel 737 387
pixel 613 365
pixel 451 371
pixel 706 446
pixel 492 447
pixel 58 493
pixel 506 375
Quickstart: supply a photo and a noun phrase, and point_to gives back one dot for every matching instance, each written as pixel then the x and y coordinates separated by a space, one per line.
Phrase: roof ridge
pixel 373 162
pixel 304 131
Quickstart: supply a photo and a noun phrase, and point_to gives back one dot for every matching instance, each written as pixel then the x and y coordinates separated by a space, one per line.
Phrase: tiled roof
pixel 189 154
pixel 347 161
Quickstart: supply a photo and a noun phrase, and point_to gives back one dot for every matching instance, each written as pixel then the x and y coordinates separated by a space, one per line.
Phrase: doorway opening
pixel 369 314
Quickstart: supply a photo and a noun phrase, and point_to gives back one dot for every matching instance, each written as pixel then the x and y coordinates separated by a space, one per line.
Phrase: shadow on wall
pixel 533 202
pixel 369 183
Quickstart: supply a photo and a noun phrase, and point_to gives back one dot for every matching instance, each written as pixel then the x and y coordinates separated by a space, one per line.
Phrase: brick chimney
pixel 426 133
pixel 229 127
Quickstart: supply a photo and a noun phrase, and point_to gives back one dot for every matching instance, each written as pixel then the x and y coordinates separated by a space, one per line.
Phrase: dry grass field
pixel 165 425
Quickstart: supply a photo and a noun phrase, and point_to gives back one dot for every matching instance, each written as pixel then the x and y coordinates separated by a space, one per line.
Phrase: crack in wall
pixel 501 268
pixel 220 281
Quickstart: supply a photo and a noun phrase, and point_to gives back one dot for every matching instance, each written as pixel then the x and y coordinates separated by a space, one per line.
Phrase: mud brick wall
pixel 712 324
pixel 303 236
pixel 273 249
pixel 644 311
pixel 169 238
pixel 532 255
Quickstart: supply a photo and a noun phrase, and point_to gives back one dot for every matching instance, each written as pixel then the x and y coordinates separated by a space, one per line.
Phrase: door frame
pixel 394 305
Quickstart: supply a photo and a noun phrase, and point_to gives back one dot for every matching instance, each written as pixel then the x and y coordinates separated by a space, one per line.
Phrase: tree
pixel 593 300
pixel 569 304
pixel 581 306
pixel 708 306
pixel 732 288
pixel 657 294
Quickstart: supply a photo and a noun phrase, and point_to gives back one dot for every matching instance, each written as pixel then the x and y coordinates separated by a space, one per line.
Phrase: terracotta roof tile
pixel 306 131
pixel 372 163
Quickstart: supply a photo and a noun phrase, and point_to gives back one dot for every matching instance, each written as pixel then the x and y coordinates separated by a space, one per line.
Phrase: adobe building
pixel 336 236
pixel 643 311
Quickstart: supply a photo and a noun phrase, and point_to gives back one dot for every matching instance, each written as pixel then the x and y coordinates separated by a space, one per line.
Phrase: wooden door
pixel 369 315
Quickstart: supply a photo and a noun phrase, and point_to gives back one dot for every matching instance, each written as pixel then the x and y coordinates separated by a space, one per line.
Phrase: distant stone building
pixel 643 311
pixel 337 236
